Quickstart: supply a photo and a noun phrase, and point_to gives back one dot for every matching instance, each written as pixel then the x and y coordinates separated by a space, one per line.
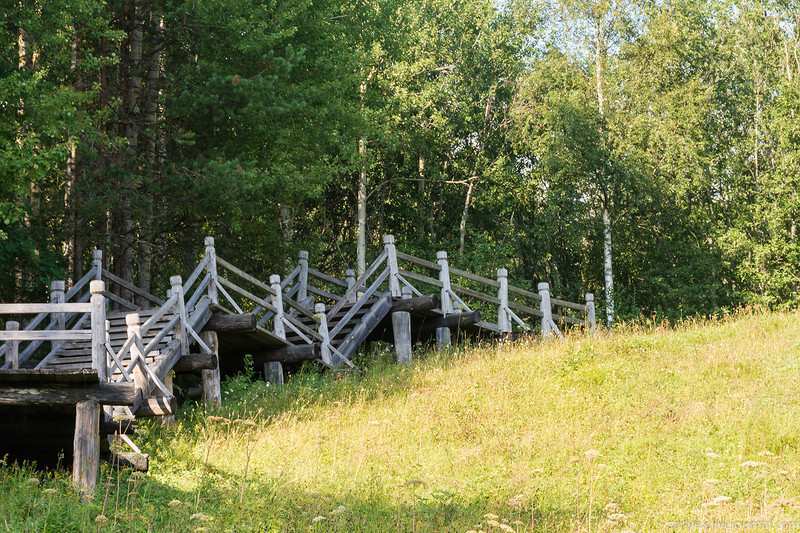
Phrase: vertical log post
pixel 401 325
pixel 322 329
pixel 86 448
pixel 350 278
pixel 57 297
pixel 180 309
pixel 168 420
pixel 99 355
pixel 302 277
pixel 97 263
pixel 546 309
pixel 391 264
pixel 211 268
pixel 277 301
pixel 443 334
pixel 503 318
pixel 590 313
pixel 273 372
pixel 137 357
pixel 13 350
pixel 212 392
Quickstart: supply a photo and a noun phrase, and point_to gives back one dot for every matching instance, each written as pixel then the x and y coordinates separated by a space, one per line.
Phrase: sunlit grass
pixel 643 429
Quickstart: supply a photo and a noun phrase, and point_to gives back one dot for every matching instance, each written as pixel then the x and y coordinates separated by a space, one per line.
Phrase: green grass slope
pixel 639 430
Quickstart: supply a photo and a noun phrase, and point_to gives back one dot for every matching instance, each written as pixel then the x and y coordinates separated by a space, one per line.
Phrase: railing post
pixel 137 358
pixel 546 309
pixel 211 253
pixel 13 349
pixel 177 289
pixel 350 278
pixel 97 263
pixel 590 313
pixel 443 334
pixel 322 329
pixel 277 302
pixel 98 303
pixel 57 297
pixel 391 263
pixel 503 318
pixel 302 277
pixel 401 326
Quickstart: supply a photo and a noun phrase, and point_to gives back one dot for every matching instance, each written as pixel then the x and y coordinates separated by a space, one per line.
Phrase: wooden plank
pixel 244 275
pixel 249 295
pixel 288 279
pixel 353 310
pixel 39 335
pixel 567 319
pixel 199 292
pixel 525 309
pixel 302 327
pixel 475 294
pixel 524 292
pixel 421 278
pixel 48 376
pixel 488 325
pixel 28 309
pixel 195 274
pixel 326 277
pixel 80 284
pixel 359 334
pixel 131 287
pixel 161 335
pixel 121 301
pixel 351 292
pixel 324 294
pixel 417 261
pixel 157 406
pixel 474 277
pixel 569 305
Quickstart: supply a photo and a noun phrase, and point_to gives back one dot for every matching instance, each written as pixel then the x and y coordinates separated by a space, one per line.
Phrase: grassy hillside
pixel 653 430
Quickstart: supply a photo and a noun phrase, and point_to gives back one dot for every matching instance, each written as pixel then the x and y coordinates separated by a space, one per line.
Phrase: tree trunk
pixel 608 272
pixel 462 228
pixel 361 227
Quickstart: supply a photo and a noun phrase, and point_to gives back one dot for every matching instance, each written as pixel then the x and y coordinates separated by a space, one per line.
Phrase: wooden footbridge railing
pixel 87 349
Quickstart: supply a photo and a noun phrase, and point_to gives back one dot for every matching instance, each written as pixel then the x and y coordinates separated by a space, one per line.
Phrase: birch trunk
pixel 608 272
pixel 462 228
pixel 361 227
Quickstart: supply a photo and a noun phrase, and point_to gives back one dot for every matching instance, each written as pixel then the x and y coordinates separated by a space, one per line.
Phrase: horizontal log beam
pixel 194 362
pixel 222 324
pixel 451 321
pixel 418 304
pixel 122 426
pixel 102 393
pixel 157 406
pixel 289 354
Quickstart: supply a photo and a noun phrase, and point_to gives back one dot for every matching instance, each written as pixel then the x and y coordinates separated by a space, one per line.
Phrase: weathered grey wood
pixel 122 301
pixel 249 295
pixel 288 279
pixel 324 293
pixel 474 277
pixel 137 355
pixel 181 332
pixel 350 280
pixel 121 426
pixel 212 392
pixel 98 307
pixel 227 324
pixel 29 309
pixel 503 320
pixel 103 393
pixel 443 337
pixel 97 263
pixel 135 461
pixel 277 303
pixel 392 265
pixel 13 353
pixel 458 320
pixel 322 328
pixel 525 309
pixel 86 448
pixel 568 305
pixel 352 291
pixel 196 273
pixel 131 287
pixel 475 294
pixel 377 311
pixel 416 305
pixel 289 354
pixel 524 292
pixel 195 362
pixel 302 276
pixel 567 319
pixel 421 278
pixel 590 313
pixel 57 296
pixel 211 254
pixel 157 406
pixel 444 279
pixel 162 334
pixel 43 335
pixel 359 303
pixel 247 277
pixel 547 312
pixel 488 325
pixel 48 376
pixel 330 279
pixel 199 292
pixel 401 327
pixel 273 372
pixel 300 328
pixel 81 283
pixel 417 261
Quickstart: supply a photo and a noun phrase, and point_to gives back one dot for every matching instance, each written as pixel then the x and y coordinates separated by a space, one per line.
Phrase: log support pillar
pixel 503 317
pixel 401 325
pixel 273 372
pixel 322 329
pixel 546 309
pixel 446 301
pixel 86 447
pixel 212 393
pixel 590 313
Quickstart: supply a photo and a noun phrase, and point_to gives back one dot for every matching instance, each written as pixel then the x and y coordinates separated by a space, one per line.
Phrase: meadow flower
pixel 101 519
pixel 711 481
pixel 201 517
pixel 319 518
pixel 750 464
pixel 339 510
pixel 766 453
pixel 32 481
pixel 611 507
pixel 50 491
pixel 490 516
pixel 175 503
pixel 592 454
pixel 712 455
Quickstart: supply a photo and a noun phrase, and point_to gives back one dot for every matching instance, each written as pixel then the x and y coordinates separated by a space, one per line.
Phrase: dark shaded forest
pixel 646 151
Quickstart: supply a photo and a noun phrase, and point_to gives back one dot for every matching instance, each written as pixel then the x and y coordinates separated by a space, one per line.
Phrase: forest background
pixel 652 143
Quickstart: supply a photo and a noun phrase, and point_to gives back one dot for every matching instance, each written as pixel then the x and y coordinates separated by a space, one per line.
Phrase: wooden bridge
pixel 98 355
